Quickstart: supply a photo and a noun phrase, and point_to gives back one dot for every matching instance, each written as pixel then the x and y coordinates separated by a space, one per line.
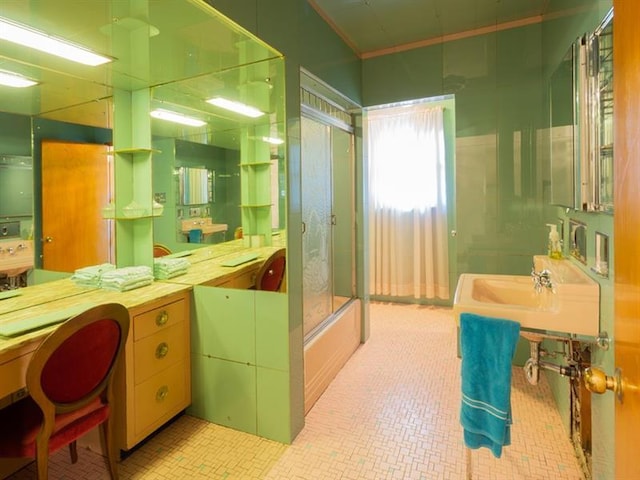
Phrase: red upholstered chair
pixel 160 250
pixel 271 273
pixel 70 383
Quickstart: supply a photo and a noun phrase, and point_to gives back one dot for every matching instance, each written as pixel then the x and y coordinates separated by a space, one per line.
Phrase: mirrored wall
pixel 215 120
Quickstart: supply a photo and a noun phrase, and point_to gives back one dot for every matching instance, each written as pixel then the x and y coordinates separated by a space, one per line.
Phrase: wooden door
pixel 626 94
pixel 76 185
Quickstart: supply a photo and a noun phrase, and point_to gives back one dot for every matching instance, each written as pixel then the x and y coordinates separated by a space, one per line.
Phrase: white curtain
pixel 408 208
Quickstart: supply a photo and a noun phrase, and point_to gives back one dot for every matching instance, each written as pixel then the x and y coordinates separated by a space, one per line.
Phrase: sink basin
pixel 204 224
pixel 573 307
pixel 16 257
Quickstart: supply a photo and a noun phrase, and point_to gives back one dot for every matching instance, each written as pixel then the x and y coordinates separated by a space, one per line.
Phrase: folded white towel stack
pixel 164 267
pixel 90 276
pixel 127 278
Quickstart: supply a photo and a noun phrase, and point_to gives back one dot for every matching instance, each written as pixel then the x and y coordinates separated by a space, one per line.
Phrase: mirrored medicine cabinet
pixel 581 123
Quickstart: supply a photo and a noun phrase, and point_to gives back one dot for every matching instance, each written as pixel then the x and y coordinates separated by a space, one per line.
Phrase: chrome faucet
pixel 542 280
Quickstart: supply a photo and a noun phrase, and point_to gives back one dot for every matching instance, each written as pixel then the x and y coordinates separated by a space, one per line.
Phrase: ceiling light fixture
pixel 273 140
pixel 236 107
pixel 28 37
pixel 176 118
pixel 10 79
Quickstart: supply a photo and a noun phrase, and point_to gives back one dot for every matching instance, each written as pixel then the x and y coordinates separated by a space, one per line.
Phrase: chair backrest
pixel 160 250
pixel 75 363
pixel 271 273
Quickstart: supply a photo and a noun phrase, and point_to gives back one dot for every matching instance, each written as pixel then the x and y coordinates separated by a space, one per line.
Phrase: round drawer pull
pixel 162 318
pixel 162 349
pixel 162 393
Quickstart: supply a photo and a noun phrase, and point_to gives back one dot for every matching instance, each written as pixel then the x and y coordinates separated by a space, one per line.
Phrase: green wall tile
pixel 223 324
pixel 272 330
pixel 273 405
pixel 223 392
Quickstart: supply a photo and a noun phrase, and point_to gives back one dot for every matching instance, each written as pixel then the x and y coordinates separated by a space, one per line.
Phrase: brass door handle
pixel 596 381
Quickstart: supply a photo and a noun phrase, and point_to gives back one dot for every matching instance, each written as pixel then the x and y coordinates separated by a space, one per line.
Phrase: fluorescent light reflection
pixel 273 140
pixel 176 118
pixel 236 107
pixel 28 37
pixel 9 79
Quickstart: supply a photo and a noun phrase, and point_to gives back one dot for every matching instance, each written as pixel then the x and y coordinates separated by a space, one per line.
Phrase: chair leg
pixel 73 451
pixel 42 459
pixel 110 447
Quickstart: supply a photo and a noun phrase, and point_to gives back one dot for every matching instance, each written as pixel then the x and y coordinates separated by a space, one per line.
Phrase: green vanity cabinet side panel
pixel 273 405
pixel 223 324
pixel 223 392
pixel 272 330
pixel 240 360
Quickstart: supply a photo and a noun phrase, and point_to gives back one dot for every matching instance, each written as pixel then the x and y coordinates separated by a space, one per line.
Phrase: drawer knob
pixel 162 318
pixel 162 393
pixel 162 349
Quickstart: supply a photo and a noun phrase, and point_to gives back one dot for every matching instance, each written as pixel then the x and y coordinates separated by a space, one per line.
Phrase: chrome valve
pixel 541 280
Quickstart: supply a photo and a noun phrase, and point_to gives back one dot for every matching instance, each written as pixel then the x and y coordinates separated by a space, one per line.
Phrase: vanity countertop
pixel 62 295
pixel 203 272
pixel 74 298
pixel 43 293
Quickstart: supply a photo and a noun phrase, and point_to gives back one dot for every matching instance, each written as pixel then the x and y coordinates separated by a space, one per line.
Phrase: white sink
pixel 573 306
pixel 16 257
pixel 204 224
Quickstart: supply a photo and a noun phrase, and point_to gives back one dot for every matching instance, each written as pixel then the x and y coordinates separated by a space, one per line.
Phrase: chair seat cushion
pixel 21 423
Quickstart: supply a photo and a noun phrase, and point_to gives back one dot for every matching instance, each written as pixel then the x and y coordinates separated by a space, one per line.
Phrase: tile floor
pixel 391 413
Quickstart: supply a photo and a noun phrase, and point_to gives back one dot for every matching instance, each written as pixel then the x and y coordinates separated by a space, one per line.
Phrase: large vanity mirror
pixel 212 162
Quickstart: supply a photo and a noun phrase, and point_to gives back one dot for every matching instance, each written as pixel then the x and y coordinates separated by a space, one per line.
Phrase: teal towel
pixel 487 347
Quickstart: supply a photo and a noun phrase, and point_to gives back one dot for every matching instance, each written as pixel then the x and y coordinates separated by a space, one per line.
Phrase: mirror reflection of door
pixel 76 184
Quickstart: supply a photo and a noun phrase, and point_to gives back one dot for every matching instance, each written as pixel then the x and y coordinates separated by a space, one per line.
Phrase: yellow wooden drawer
pixel 156 352
pixel 161 397
pixel 244 281
pixel 12 372
pixel 154 320
pixel 13 375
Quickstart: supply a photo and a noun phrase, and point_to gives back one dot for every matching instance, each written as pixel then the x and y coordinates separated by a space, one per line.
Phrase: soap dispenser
pixel 554 249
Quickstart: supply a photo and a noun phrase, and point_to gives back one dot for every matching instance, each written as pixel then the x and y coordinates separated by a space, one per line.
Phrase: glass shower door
pixel 317 276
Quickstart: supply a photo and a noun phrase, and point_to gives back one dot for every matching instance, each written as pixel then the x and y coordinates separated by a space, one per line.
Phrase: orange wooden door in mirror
pixel 76 185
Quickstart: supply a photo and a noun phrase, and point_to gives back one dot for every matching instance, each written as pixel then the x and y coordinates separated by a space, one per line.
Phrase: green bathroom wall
pixel 294 28
pixel 297 31
pixel 15 134
pixel 16 185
